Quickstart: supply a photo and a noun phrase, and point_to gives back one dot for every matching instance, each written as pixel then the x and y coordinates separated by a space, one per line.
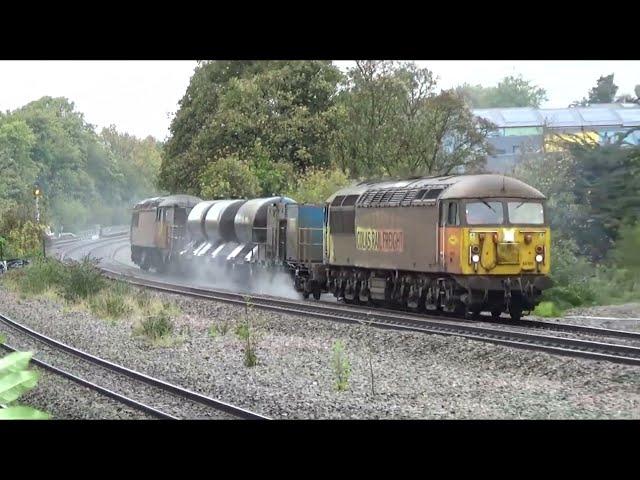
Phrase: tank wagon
pixel 466 243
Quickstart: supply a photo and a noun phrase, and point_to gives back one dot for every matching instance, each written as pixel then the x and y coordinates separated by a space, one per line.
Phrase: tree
pixel 628 98
pixel 604 92
pixel 591 190
pixel 135 161
pixel 391 122
pixel 279 110
pixel 511 91
pixel 86 177
pixel 17 168
pixel 228 177
pixel 315 186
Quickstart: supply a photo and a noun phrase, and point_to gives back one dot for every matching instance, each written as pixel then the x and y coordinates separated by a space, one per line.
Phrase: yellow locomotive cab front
pixel 516 250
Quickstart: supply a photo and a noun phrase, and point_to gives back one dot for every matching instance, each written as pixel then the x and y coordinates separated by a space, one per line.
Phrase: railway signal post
pixel 37 193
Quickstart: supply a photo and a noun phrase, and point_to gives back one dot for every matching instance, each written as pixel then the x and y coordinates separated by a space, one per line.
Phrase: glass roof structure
pixel 604 115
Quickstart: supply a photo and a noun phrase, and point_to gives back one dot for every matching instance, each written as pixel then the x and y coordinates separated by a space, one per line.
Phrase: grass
pixel 82 287
pixel 219 329
pixel 157 326
pixel 109 304
pixel 341 366
pixel 547 309
pixel 247 333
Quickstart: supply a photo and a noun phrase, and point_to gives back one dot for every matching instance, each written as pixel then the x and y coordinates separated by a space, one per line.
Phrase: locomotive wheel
pixel 305 295
pixel 516 312
pixel 473 314
pixel 144 262
pixel 316 294
pixel 495 314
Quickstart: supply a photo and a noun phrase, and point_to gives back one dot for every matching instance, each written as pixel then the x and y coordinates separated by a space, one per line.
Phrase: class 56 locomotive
pixel 467 243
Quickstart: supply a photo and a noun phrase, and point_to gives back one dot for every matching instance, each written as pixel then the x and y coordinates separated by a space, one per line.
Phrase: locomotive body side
pixel 471 242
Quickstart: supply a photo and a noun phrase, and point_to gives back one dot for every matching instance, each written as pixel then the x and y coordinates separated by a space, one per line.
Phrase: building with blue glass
pixel 521 130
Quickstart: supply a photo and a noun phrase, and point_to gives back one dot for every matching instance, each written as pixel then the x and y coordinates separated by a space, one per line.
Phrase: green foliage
pixel 607 182
pixel 25 240
pixel 229 108
pixel 547 309
pixel 82 280
pixel 604 92
pixel 229 178
pixel 74 282
pixel 592 192
pixel 41 275
pixel 274 177
pixel 110 304
pixel 316 185
pixel 157 326
pixel 219 328
pixel 85 176
pixel 18 169
pixel 512 91
pixel 626 253
pixel 15 380
pixel 341 366
pixel 242 331
pixel 391 122
pixel 247 333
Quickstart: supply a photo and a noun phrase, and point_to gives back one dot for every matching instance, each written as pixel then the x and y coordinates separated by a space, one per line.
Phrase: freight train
pixel 461 243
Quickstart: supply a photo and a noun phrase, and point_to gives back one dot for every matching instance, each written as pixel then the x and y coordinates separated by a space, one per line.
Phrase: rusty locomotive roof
pixel 426 190
pixel 183 201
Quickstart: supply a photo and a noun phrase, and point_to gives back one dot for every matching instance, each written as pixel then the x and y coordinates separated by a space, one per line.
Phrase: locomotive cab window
pixel 449 214
pixel 452 214
pixel 484 213
pixel 529 213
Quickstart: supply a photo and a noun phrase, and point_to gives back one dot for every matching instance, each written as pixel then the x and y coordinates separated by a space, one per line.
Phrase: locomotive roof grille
pixel 393 197
pixel 426 190
pixel 337 201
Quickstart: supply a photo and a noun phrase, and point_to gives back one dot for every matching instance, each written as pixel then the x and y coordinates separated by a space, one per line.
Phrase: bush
pixel 38 277
pixel 82 280
pixel 341 366
pixel 25 240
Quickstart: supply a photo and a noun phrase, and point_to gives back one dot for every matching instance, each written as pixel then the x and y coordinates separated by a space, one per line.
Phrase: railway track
pixel 150 391
pixel 500 332
pixel 426 324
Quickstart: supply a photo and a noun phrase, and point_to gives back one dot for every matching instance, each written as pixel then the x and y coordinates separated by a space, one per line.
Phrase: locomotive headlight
pixel 475 258
pixel 539 258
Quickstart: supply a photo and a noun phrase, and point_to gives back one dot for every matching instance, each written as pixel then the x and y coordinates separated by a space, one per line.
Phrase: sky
pixel 141 97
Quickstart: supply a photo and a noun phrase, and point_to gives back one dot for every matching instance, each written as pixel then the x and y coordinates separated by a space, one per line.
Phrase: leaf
pixel 20 412
pixel 14 362
pixel 15 384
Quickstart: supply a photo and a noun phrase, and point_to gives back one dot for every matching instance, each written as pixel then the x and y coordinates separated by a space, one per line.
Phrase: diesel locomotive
pixel 463 243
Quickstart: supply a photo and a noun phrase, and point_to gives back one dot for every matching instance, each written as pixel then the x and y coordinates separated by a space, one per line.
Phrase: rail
pixel 233 410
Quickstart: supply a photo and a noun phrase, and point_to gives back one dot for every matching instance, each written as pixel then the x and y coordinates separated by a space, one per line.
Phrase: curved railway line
pixel 518 335
pixel 158 391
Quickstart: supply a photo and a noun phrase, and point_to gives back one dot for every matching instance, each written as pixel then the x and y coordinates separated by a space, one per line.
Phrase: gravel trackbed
pixel 415 376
